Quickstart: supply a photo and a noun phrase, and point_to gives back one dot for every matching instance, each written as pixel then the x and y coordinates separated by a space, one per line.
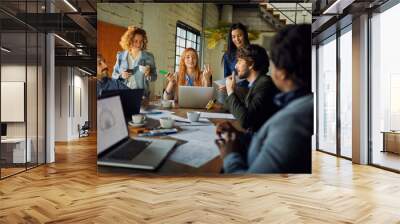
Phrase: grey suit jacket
pixel 282 145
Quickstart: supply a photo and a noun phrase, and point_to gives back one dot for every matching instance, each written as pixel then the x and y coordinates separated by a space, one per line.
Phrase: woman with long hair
pixel 188 74
pixel 135 66
pixel 238 38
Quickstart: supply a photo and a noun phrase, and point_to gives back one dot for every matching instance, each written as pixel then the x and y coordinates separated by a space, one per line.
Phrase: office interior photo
pixel 49 162
pixel 47 81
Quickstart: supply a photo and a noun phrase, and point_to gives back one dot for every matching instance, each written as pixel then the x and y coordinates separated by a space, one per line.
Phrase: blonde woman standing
pixel 135 66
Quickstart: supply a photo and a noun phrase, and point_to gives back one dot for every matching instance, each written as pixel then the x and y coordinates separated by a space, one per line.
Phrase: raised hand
pixel 230 84
pixel 207 72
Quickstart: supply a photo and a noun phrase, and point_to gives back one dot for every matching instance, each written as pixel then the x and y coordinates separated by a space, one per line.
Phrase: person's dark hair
pixel 291 51
pixel 231 48
pixel 257 55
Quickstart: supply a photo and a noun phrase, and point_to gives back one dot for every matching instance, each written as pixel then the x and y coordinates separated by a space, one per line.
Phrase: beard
pixel 245 74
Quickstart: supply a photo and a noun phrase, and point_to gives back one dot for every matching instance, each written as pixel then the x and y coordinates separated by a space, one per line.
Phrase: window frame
pixel 197 42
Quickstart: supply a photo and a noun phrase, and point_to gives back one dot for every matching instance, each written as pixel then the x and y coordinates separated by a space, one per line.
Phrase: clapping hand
pixel 170 77
pixel 207 72
pixel 228 138
pixel 171 82
pixel 230 84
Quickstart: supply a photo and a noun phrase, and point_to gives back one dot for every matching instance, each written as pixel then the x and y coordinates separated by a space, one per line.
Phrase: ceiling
pixel 73 20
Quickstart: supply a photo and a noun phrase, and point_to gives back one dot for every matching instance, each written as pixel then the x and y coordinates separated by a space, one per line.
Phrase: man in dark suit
pixel 257 106
pixel 104 82
pixel 283 143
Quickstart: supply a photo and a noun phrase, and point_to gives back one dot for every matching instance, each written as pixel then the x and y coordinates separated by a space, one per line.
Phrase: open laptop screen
pixel 111 127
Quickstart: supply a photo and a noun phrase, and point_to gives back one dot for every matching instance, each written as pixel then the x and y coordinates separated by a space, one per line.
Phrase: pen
pixel 153 112
pixel 183 121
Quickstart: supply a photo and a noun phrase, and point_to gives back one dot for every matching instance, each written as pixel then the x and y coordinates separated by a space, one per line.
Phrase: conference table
pixel 169 166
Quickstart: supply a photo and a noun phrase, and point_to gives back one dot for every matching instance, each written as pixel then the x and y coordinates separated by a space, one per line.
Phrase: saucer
pixel 133 125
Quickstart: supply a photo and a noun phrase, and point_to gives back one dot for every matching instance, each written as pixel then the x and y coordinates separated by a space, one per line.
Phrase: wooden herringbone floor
pixel 70 191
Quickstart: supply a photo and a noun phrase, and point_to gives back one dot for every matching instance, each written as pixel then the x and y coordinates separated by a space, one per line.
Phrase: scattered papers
pixel 204 134
pixel 200 147
pixel 217 115
pixel 187 122
pixel 156 114
pixel 194 154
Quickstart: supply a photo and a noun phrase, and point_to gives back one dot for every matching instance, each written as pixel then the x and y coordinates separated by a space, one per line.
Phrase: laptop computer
pixel 115 147
pixel 194 96
pixel 131 100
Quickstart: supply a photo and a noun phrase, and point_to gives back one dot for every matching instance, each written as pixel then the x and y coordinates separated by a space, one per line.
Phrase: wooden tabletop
pixel 170 167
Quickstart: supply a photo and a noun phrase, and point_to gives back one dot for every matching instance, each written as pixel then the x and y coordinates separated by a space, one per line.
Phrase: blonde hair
pixel 182 69
pixel 127 38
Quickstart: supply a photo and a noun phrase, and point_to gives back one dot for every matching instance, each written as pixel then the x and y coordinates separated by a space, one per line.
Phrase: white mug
pixel 167 122
pixel 138 118
pixel 142 68
pixel 193 116
pixel 167 103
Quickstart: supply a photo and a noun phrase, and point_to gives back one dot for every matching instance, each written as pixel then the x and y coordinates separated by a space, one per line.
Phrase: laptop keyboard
pixel 129 150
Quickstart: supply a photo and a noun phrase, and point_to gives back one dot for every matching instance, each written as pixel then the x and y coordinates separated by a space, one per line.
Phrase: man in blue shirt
pixel 104 82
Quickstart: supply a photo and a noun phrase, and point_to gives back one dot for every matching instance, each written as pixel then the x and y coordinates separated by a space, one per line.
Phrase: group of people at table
pixel 276 111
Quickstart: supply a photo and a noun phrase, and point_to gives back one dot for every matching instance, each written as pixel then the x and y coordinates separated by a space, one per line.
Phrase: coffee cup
pixel 138 118
pixel 166 122
pixel 167 103
pixel 193 116
pixel 142 68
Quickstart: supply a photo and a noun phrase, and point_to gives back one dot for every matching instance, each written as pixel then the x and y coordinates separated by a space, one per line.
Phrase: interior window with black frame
pixel 186 36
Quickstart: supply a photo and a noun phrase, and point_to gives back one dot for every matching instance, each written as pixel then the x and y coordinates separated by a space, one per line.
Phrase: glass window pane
pixel 180 51
pixel 181 42
pixel 327 97
pixel 32 100
pixel 13 83
pixel 385 90
pixel 183 33
pixel 346 94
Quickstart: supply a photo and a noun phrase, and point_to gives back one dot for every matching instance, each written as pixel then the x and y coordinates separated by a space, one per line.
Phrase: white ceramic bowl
pixel 193 116
pixel 167 103
pixel 167 122
pixel 138 118
pixel 142 68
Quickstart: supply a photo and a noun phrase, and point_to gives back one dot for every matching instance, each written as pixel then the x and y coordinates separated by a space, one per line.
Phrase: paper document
pixel 187 122
pixel 204 134
pixel 200 147
pixel 194 153
pixel 217 115
pixel 156 114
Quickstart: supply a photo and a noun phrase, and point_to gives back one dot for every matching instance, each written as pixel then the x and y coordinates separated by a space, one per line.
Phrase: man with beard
pixel 257 106
pixel 104 82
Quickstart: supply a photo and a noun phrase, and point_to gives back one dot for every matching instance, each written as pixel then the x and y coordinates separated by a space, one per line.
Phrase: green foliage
pixel 214 35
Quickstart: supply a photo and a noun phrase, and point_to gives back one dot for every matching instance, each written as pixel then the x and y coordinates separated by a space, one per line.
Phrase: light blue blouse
pixel 141 82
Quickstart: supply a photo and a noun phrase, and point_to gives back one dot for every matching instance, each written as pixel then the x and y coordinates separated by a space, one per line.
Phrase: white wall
pixel 69 81
pixel 33 126
pixel 12 73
